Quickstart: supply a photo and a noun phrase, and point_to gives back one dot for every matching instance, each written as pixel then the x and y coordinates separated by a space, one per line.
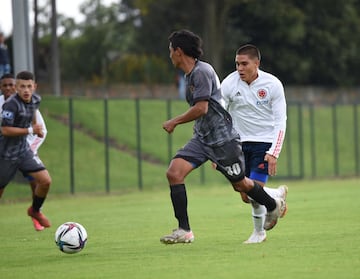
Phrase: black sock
pixel 37 203
pixel 179 201
pixel 259 195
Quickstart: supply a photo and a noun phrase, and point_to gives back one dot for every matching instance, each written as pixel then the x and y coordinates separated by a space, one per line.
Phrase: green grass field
pixel 318 238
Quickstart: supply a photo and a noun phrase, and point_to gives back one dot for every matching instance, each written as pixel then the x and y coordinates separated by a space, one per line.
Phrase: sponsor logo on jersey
pixel 7 115
pixel 262 94
pixel 238 94
pixel 262 103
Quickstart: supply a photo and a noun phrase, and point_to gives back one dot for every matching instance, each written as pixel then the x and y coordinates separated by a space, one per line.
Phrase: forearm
pixel 191 114
pixel 15 131
pixel 277 143
pixel 279 109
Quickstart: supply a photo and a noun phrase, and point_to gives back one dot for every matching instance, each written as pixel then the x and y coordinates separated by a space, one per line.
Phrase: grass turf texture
pixel 319 237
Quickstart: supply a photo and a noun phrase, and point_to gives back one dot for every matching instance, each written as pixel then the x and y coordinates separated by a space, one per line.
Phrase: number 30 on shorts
pixel 233 169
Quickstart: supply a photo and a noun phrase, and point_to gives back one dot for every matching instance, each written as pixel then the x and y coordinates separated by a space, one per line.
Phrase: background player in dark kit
pixel 18 120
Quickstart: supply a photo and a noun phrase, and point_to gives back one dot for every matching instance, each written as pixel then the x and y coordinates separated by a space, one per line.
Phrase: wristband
pixel 30 130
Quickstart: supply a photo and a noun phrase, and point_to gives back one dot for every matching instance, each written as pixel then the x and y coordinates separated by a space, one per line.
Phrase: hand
pixel 169 126
pixel 38 130
pixel 271 164
pixel 213 165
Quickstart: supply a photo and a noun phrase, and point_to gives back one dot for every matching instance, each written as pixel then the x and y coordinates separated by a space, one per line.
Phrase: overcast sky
pixel 61 6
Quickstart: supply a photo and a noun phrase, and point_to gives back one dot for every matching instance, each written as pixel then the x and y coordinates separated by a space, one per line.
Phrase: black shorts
pixel 27 163
pixel 228 157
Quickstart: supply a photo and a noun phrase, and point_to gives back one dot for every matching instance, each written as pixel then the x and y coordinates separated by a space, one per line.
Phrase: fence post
pixel 335 140
pixel 138 140
pixel 356 139
pixel 288 149
pixel 71 135
pixel 106 138
pixel 312 142
pixel 301 141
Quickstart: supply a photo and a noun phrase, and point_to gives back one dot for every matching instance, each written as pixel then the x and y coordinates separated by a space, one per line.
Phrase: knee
pixel 239 186
pixel 173 175
pixel 236 188
pixel 45 181
pixel 242 186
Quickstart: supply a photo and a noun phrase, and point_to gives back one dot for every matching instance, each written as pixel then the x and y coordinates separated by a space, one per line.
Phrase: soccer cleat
pixel 283 189
pixel 256 237
pixel 273 216
pixel 37 225
pixel 41 218
pixel 178 236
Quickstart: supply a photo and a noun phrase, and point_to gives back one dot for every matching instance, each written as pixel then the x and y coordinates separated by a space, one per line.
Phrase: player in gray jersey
pixel 214 138
pixel 18 120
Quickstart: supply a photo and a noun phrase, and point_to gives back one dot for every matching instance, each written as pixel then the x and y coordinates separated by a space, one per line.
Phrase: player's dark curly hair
pixel 25 75
pixel 190 43
pixel 8 75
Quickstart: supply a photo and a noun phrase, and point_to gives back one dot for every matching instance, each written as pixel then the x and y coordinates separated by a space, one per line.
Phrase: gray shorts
pixel 229 157
pixel 27 163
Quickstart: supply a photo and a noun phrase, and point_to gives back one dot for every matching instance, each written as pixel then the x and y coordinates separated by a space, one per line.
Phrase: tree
pixel 204 17
pixel 331 44
pixel 302 42
pixel 107 32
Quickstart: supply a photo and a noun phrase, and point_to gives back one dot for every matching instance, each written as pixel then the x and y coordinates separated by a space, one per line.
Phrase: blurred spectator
pixel 5 67
pixel 181 85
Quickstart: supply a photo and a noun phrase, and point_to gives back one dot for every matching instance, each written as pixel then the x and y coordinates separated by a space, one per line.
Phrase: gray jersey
pixel 17 113
pixel 215 127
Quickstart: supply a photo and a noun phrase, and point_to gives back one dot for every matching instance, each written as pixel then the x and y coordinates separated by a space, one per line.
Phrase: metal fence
pixel 127 147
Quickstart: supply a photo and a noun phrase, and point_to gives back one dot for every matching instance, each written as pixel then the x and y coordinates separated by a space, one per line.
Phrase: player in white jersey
pixel 7 88
pixel 256 101
pixel 214 138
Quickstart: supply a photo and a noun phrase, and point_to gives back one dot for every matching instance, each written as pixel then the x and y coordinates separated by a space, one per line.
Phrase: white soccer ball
pixel 70 237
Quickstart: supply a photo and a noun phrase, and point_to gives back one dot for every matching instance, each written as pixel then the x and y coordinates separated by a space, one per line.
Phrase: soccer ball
pixel 70 237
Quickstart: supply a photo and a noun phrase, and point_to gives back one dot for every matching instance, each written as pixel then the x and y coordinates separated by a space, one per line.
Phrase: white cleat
pixel 178 236
pixel 256 237
pixel 273 216
pixel 283 189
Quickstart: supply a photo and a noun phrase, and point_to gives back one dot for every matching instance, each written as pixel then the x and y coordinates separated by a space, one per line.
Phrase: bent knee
pixel 239 187
pixel 47 182
pixel 173 174
pixel 44 179
pixel 242 186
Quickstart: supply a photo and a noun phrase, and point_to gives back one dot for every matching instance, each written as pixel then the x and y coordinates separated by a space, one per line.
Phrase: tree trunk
pixel 215 12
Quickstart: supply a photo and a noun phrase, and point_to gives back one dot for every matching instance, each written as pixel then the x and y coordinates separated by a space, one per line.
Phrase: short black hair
pixel 189 42
pixel 25 75
pixel 250 50
pixel 8 75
